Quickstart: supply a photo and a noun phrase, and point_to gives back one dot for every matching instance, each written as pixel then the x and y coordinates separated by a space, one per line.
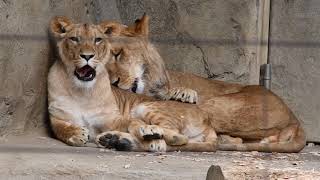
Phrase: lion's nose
pixel 87 57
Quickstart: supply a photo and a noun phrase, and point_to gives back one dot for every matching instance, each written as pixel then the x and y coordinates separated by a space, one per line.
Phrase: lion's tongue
pixel 84 71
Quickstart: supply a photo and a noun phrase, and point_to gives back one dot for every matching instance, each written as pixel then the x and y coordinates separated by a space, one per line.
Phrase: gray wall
pixel 204 37
pixel 294 54
pixel 25 58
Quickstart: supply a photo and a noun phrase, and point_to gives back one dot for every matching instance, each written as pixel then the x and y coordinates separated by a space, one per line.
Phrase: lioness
pixel 139 68
pixel 250 112
pixel 82 103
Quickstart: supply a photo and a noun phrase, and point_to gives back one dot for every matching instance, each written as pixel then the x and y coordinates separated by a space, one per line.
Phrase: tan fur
pixel 80 110
pixel 252 113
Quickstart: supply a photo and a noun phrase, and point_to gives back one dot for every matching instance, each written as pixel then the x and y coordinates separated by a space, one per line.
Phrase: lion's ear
pixel 59 25
pixel 141 26
pixel 111 28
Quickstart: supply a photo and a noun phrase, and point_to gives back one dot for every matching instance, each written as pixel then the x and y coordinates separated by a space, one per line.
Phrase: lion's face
pixel 135 66
pixel 127 68
pixel 84 49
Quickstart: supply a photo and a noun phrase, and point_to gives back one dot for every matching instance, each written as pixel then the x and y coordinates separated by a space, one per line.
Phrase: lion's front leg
pixel 183 94
pixel 69 133
pixel 143 131
pixel 122 141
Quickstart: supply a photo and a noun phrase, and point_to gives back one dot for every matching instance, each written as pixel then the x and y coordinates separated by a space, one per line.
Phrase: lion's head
pixel 83 49
pixel 136 64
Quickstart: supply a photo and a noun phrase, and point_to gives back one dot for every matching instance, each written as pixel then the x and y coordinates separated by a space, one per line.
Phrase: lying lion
pixel 84 107
pixel 252 113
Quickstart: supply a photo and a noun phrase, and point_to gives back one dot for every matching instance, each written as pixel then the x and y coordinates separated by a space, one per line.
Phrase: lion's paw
pixel 226 139
pixel 176 139
pixel 80 137
pixel 184 95
pixel 114 140
pixel 158 145
pixel 149 132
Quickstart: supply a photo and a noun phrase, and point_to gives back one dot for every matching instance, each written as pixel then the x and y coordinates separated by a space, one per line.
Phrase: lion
pixel 81 104
pixel 145 73
pixel 254 114
pixel 83 107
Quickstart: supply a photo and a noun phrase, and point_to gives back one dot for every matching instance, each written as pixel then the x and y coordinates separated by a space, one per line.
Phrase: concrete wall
pixel 204 37
pixel 191 36
pixel 25 58
pixel 294 55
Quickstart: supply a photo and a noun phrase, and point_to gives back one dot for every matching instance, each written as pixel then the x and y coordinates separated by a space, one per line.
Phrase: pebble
pixel 311 144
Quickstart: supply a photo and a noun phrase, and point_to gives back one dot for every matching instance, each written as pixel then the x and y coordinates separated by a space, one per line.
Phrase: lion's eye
pixel 109 30
pixel 74 39
pixel 97 40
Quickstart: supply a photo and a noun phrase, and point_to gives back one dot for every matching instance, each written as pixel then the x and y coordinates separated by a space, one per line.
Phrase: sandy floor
pixel 45 158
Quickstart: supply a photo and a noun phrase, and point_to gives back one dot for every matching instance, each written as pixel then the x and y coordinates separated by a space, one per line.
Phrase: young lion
pixel 252 113
pixel 82 103
pixel 145 73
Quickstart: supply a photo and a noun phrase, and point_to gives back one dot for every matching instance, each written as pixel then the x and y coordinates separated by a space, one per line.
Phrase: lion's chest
pixel 94 115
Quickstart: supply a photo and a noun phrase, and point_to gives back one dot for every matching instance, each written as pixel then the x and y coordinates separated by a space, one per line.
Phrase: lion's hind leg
pixel 288 140
pixel 174 138
pixel 226 139
pixel 208 145
pixel 144 131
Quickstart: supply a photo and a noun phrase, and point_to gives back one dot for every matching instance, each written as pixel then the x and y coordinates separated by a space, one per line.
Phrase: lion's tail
pixel 296 144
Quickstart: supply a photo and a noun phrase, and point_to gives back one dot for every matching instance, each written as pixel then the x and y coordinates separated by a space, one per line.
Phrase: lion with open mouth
pixel 83 106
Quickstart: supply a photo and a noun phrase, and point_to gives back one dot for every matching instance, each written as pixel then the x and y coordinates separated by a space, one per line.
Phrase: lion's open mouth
pixel 86 73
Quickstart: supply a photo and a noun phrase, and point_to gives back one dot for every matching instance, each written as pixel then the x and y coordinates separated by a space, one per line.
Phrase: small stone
pixel 311 144
pixel 102 150
pixel 127 166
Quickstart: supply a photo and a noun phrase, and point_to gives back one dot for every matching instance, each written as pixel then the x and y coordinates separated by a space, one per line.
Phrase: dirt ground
pixel 37 157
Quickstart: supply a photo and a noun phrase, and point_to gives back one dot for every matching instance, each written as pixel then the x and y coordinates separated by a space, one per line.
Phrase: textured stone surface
pixel 186 33
pixel 45 158
pixel 294 55
pixel 25 59
pixel 201 37
pixel 204 37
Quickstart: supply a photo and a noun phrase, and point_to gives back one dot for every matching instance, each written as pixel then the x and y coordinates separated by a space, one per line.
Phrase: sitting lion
pixel 81 104
pixel 252 113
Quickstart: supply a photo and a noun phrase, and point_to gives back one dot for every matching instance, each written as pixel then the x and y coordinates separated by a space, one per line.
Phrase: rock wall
pixel 294 55
pixel 203 37
pixel 25 58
